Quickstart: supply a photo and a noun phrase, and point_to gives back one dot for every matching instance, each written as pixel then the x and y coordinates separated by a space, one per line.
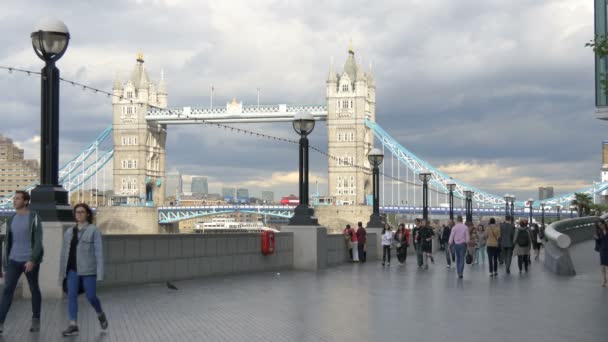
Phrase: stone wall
pixel 336 217
pixel 133 259
pixel 128 220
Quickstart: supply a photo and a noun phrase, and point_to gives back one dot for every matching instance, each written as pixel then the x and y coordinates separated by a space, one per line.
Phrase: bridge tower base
pixel 128 220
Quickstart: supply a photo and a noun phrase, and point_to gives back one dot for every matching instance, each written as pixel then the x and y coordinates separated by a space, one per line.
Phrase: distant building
pixel 229 194
pixel 173 185
pixel 242 195
pixel 200 185
pixel 267 197
pixel 16 173
pixel 545 192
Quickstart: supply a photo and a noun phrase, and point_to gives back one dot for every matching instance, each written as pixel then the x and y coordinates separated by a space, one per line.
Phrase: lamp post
pixel 375 157
pixel 451 188
pixel 468 194
pixel 50 41
pixel 572 209
pixel 303 124
pixel 531 203
pixel 425 176
pixel 507 198
pixel 512 209
pixel 559 210
pixel 542 214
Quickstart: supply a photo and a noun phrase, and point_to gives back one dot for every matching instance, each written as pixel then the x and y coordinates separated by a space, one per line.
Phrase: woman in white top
pixel 387 240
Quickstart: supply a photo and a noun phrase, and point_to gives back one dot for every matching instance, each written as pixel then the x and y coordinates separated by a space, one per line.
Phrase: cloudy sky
pixel 498 94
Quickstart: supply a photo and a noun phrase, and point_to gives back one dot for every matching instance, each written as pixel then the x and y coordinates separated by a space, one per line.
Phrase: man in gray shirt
pixel 23 254
pixel 506 242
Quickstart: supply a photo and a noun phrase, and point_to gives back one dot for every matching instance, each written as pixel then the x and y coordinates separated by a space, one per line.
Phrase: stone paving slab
pixel 353 302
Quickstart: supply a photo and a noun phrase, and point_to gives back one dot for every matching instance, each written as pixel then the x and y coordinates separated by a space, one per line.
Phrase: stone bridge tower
pixel 351 97
pixel 139 146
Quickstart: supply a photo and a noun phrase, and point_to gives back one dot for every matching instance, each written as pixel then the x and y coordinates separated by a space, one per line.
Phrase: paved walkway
pixel 346 303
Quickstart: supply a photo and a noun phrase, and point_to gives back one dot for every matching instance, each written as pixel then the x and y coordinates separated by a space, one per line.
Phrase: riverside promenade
pixel 350 302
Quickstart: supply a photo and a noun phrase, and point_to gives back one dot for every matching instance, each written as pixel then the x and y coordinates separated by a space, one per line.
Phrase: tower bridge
pixel 139 132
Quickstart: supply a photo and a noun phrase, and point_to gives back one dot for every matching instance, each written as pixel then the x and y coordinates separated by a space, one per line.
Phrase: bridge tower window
pixel 345 87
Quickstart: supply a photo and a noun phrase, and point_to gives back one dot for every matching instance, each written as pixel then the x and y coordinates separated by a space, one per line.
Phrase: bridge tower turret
pixel 350 99
pixel 139 147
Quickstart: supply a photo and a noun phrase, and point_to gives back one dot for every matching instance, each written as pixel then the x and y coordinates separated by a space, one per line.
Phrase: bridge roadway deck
pixel 346 303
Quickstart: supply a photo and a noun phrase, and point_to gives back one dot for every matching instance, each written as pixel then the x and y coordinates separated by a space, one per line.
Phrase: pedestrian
pixel 459 237
pixel 440 237
pixel 426 238
pixel 473 240
pixel 387 240
pixel 493 246
pixel 601 246
pixel 418 242
pixel 522 241
pixel 82 265
pixel 482 238
pixel 402 241
pixel 450 256
pixel 22 255
pixel 507 232
pixel 361 242
pixel 347 233
pixel 535 231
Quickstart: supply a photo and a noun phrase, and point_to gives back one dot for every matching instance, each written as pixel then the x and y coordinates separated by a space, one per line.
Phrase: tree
pixel 583 203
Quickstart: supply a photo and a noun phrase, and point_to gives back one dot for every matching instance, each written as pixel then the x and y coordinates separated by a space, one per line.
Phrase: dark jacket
pixel 361 235
pixel 416 235
pixel 426 235
pixel 445 236
pixel 35 236
pixel 507 232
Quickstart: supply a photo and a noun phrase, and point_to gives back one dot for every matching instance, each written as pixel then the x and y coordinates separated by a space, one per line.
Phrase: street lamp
pixel 512 209
pixel 542 214
pixel 531 202
pixel 559 210
pixel 507 198
pixel 572 209
pixel 50 41
pixel 451 188
pixel 303 124
pixel 425 176
pixel 468 194
pixel 375 157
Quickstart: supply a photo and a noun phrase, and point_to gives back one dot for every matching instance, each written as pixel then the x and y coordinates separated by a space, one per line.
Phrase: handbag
pixel 469 258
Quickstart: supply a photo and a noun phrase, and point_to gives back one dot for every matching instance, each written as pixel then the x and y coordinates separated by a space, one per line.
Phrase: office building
pixel 545 192
pixel 173 185
pixel 16 173
pixel 200 185
pixel 229 194
pixel 242 195
pixel 267 197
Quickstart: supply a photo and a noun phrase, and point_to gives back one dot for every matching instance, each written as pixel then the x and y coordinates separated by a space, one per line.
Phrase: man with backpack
pixel 506 242
pixel 522 241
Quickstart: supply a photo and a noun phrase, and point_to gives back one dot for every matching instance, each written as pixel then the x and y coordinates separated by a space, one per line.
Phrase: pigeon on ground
pixel 171 286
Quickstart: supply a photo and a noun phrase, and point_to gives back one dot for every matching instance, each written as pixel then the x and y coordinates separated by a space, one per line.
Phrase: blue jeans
pixel 449 254
pixel 460 250
pixel 90 289
pixel 14 269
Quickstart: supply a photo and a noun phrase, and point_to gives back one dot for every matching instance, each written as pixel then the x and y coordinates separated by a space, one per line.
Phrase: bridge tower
pixel 139 147
pixel 351 98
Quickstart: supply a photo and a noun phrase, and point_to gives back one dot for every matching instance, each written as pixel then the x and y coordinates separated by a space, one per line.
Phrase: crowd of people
pixel 461 242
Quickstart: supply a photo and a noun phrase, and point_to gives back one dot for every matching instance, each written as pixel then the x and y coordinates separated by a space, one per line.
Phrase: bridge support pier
pixel 309 247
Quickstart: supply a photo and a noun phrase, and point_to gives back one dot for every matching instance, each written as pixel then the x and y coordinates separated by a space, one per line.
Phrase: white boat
pixel 229 225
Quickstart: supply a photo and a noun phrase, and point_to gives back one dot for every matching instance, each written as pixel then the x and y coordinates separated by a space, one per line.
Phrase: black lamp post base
pixel 303 216
pixel 51 203
pixel 375 221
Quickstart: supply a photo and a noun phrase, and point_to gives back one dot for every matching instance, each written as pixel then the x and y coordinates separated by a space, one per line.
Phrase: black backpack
pixel 523 238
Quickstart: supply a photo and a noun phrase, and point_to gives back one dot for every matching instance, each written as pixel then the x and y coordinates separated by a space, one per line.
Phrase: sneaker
pixel 460 276
pixel 448 266
pixel 72 330
pixel 35 325
pixel 496 274
pixel 103 321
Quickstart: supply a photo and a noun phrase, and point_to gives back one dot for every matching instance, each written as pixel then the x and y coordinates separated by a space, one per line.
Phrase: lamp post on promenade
pixel 469 205
pixel 303 124
pixel 507 198
pixel 542 214
pixel 572 209
pixel 531 203
pixel 50 41
pixel 451 188
pixel 559 211
pixel 425 176
pixel 512 209
pixel 375 157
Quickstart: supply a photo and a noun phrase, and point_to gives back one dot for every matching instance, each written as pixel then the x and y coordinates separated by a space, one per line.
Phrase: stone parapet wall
pixel 136 259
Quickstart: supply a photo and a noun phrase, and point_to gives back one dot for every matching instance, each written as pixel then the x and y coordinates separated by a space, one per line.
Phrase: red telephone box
pixel 267 242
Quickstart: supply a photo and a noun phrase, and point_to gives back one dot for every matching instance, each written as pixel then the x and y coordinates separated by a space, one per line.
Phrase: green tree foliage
pixel 583 203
